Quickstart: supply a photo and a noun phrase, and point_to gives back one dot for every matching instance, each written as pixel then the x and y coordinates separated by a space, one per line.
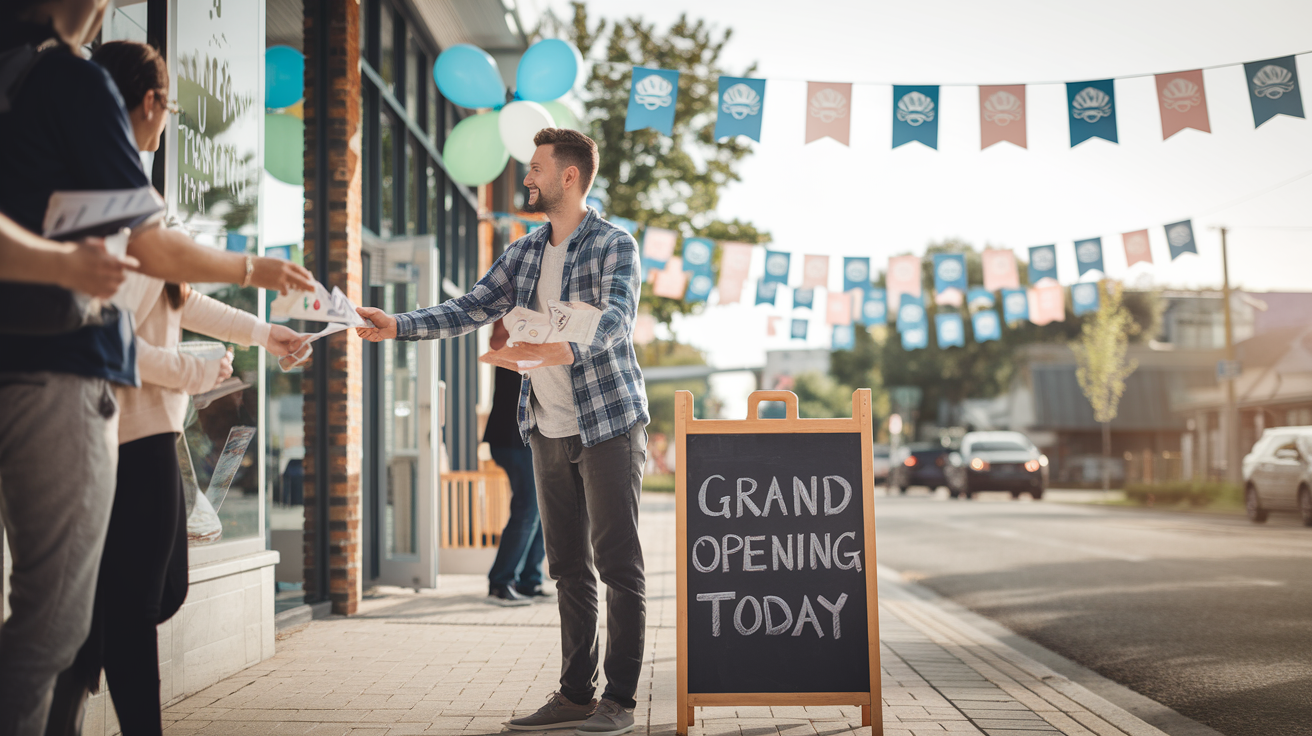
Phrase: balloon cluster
pixel 284 132
pixel 478 148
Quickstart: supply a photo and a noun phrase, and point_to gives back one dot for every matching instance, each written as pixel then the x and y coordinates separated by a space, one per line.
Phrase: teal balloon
pixel 284 148
pixel 547 70
pixel 284 76
pixel 562 115
pixel 474 154
pixel 469 77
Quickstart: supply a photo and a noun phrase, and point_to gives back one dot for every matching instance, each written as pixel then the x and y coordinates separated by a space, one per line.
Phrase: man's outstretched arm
pixel 487 302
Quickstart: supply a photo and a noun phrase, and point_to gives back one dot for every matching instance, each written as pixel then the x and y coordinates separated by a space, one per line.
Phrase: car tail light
pixel 1032 466
pixel 910 462
pixel 939 461
pixel 978 464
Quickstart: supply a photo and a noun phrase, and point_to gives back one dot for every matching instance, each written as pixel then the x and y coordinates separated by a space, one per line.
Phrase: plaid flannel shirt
pixel 601 269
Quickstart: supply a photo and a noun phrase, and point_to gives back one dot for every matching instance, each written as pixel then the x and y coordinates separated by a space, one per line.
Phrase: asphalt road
pixel 1210 616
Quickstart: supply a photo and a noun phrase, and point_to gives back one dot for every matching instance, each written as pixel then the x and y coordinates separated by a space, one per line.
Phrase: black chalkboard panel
pixel 784 624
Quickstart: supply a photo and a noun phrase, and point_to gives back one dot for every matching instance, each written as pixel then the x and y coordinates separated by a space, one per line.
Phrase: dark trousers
pixel 520 552
pixel 143 582
pixel 588 497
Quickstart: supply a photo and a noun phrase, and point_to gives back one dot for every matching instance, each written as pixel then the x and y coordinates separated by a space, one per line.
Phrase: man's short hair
pixel 571 148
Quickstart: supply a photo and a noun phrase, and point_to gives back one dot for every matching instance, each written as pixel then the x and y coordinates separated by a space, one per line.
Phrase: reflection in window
pixel 412 76
pixel 401 431
pixel 433 196
pixel 387 159
pixel 431 120
pixel 387 48
pixel 412 208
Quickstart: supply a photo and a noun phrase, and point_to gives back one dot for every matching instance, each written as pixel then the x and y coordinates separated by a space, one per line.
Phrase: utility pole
pixel 1232 460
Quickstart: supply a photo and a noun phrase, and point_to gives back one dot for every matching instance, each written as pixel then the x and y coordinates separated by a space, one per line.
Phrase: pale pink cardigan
pixel 167 377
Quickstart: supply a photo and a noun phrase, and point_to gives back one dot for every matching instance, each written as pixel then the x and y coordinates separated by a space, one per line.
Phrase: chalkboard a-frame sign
pixel 776 586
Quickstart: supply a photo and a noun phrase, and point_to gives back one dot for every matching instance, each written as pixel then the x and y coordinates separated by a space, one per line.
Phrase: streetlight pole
pixel 1232 470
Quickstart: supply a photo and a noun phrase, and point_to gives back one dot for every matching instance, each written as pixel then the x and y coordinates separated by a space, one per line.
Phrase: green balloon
pixel 474 153
pixel 284 148
pixel 562 115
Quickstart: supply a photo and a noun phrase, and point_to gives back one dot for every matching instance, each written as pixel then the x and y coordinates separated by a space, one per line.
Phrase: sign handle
pixel 754 403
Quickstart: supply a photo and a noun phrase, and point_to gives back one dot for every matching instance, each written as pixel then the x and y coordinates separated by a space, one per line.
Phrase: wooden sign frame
pixel 860 422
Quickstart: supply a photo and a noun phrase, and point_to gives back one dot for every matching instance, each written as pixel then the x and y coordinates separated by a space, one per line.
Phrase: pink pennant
pixel 770 322
pixel 838 309
pixel 1000 270
pixel 1183 102
pixel 1002 115
pixel 658 245
pixel 950 298
pixel 671 281
pixel 1047 303
pixel 815 272
pixel 828 111
pixel 735 259
pixel 1136 248
pixel 644 329
pixel 903 278
pixel 731 292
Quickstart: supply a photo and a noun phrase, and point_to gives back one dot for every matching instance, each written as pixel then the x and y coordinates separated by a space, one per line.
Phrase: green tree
pixel 660 395
pixel 1101 363
pixel 672 182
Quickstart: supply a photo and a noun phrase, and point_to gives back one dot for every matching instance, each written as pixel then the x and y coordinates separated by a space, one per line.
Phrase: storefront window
pixel 401 432
pixel 413 74
pixel 387 161
pixel 387 47
pixel 412 208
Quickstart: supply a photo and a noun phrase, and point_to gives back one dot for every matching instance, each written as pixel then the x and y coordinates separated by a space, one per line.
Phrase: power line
pixel 1257 194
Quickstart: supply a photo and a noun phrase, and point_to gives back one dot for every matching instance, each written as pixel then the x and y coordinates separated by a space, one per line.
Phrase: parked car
pixel 997 461
pixel 1278 474
pixel 882 464
pixel 919 464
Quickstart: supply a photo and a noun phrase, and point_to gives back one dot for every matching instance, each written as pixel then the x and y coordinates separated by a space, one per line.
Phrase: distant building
pixel 781 366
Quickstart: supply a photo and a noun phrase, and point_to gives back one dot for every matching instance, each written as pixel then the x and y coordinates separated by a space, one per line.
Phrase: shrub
pixel 1194 493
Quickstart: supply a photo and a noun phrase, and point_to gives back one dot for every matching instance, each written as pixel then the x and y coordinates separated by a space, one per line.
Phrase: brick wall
pixel 340 244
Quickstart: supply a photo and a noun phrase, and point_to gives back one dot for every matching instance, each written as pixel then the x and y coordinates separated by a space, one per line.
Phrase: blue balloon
pixel 468 76
pixel 547 70
pixel 284 76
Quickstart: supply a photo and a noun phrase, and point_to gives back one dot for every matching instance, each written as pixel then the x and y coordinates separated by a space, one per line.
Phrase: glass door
pixel 403 434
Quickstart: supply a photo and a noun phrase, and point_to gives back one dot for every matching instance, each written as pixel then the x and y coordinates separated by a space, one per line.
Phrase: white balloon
pixel 519 122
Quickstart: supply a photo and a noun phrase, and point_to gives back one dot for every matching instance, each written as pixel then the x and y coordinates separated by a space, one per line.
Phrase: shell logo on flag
pixel 1272 81
pixel 1044 259
pixel 910 314
pixel 949 270
pixel 915 109
pixel 1002 108
pixel 776 265
pixel 1178 235
pixel 1181 95
pixel 740 101
pixel 653 92
pixel 828 105
pixel 700 285
pixel 950 330
pixel 696 253
pixel 914 336
pixel 817 268
pixel 1084 293
pixel 1016 303
pixel 1088 252
pixel 904 271
pixel 873 309
pixel 857 271
pixel 987 323
pixel 1137 244
pixel 1091 105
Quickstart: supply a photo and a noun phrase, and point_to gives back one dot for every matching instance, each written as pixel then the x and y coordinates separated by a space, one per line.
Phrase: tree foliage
pixel 672 182
pixel 1101 365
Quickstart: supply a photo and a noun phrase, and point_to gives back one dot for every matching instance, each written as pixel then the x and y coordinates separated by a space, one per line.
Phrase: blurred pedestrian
pixel 516 575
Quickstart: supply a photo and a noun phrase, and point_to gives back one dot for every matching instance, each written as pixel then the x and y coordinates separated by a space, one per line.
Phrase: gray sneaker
pixel 559 712
pixel 609 719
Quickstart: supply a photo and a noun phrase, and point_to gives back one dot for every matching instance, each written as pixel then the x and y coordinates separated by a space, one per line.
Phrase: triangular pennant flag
pixel 985 325
pixel 948 327
pixel 1043 263
pixel 742 103
pixel 1180 237
pixel 903 277
pixel 856 273
pixel 1002 115
pixel 978 298
pixel 803 298
pixel 798 331
pixel 652 95
pixel 1273 89
pixel 874 308
pixel 1000 270
pixel 838 309
pixel 671 280
pixel 1047 304
pixel 1015 305
pixel 766 291
pixel 770 322
pixel 1092 110
pixel 1183 102
pixel 1084 298
pixel 949 278
pixel 776 267
pixel 828 111
pixel 844 337
pixel 1137 249
pixel 815 272
pixel 915 115
pixel 1088 255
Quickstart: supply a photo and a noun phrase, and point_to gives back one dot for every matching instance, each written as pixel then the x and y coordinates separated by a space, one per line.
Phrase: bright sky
pixel 870 200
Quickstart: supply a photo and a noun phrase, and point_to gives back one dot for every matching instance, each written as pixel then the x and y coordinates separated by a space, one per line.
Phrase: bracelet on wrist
pixel 250 269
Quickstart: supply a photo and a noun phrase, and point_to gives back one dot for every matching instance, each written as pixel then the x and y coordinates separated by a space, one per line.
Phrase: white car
pixel 883 464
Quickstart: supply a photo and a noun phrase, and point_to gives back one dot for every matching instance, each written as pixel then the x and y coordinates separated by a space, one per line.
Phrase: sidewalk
pixel 445 662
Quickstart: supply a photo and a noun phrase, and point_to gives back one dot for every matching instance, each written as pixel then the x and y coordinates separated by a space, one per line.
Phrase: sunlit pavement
pixel 445 662
pixel 1208 614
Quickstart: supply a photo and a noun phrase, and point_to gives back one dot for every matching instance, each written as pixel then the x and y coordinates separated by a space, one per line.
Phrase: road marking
pixel 1058 543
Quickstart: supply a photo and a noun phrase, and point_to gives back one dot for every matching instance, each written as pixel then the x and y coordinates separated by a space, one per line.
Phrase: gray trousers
pixel 58 457
pixel 588 499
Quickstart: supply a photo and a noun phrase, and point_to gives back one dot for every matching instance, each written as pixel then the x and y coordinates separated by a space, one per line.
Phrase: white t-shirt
pixel 551 395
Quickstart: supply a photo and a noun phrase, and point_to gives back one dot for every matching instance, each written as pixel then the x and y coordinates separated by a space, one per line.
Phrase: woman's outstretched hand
pixel 284 340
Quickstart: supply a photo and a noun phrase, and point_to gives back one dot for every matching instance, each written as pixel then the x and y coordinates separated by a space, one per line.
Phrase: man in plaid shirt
pixel 569 293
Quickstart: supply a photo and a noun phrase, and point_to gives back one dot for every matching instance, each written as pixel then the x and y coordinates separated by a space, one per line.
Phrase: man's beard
pixel 541 204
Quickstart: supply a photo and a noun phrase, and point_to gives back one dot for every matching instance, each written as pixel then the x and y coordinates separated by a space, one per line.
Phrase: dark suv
pixel 919 464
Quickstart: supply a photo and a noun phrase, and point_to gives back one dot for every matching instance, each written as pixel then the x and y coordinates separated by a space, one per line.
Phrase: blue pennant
pixel 1180 238
pixel 1043 263
pixel 915 338
pixel 844 337
pixel 874 309
pixel 986 326
pixel 949 272
pixel 1092 110
pixel 776 267
pixel 915 115
pixel 697 255
pixel 798 331
pixel 652 95
pixel 803 298
pixel 1273 89
pixel 856 274
pixel 1015 305
pixel 950 329
pixel 1088 254
pixel 911 313
pixel 742 103
pixel 699 287
pixel 979 298
pixel 766 291
pixel 1085 298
